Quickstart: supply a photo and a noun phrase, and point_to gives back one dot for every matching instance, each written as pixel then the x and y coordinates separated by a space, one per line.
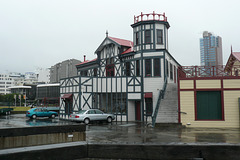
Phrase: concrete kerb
pixel 78 150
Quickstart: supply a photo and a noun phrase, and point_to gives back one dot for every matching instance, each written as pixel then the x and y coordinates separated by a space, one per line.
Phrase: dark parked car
pixel 40 112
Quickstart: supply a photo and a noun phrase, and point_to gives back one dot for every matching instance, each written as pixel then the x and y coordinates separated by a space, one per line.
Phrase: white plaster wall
pixel 131 110
pixel 134 95
pixel 118 118
pixel 172 61
pixel 153 85
pixel 103 85
pixel 150 54
pixel 109 85
pixel 86 95
pixel 114 85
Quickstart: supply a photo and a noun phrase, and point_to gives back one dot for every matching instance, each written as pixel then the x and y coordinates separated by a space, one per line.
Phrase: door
pixel 137 110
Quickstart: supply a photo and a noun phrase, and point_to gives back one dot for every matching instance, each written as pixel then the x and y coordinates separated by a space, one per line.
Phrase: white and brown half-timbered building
pixel 134 80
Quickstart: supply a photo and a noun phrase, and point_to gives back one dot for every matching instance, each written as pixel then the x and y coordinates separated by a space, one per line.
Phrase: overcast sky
pixel 41 33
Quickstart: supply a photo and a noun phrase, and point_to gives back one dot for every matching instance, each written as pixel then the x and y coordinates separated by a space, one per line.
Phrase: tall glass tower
pixel 211 50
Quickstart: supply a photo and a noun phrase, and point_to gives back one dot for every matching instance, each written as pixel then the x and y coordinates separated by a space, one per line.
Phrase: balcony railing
pixel 150 16
pixel 207 71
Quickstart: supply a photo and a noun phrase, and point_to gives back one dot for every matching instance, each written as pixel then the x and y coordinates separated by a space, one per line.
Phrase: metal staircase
pixel 160 97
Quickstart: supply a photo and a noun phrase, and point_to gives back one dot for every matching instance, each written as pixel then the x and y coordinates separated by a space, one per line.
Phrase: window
pixel 209 105
pixel 159 36
pixel 110 70
pixel 110 67
pixel 128 69
pixel 148 68
pixel 84 73
pixel 137 68
pixel 167 67
pixel 156 63
pixel 175 77
pixel 98 112
pixel 91 112
pixel 137 38
pixel 149 106
pixel 171 71
pixel 148 36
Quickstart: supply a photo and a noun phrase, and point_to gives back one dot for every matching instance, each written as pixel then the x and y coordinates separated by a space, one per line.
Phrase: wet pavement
pixel 132 132
pixel 20 120
pixel 137 133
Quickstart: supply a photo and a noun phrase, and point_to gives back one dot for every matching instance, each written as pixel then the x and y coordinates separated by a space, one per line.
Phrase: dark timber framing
pixel 105 83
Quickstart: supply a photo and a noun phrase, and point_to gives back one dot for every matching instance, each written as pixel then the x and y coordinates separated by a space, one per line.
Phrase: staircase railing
pixel 160 97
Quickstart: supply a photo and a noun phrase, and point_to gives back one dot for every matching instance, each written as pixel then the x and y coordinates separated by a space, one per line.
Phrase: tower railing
pixel 150 16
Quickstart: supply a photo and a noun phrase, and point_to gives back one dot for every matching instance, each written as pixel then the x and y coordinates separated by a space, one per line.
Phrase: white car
pixel 91 115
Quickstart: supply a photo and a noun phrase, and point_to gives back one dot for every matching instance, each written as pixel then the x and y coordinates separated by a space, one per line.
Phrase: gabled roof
pixel 87 61
pixel 122 42
pixel 234 56
pixel 117 41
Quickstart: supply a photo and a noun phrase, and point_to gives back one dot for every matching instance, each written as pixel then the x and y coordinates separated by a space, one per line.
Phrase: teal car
pixel 40 112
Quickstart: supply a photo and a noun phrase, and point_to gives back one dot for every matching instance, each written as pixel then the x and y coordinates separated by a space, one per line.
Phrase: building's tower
pixel 150 44
pixel 150 32
pixel 210 50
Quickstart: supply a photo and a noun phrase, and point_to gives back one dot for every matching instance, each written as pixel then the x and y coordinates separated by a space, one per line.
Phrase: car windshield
pixel 82 111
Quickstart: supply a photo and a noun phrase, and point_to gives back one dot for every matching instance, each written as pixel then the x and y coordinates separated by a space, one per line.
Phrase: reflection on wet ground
pixel 138 133
pixel 132 132
pixel 20 120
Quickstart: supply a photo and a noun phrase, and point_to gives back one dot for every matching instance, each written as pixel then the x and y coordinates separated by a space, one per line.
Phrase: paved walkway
pixel 133 132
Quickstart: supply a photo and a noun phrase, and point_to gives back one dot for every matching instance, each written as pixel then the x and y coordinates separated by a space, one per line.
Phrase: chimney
pixel 84 58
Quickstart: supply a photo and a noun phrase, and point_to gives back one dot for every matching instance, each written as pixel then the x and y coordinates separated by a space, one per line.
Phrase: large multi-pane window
pixel 148 36
pixel 156 63
pixel 159 36
pixel 113 103
pixel 148 68
pixel 137 68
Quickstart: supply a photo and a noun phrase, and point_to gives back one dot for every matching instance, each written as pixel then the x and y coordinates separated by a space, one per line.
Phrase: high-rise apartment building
pixel 63 69
pixel 211 50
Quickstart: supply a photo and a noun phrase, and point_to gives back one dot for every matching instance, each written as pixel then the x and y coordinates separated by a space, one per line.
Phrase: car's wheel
pixel 34 116
pixel 86 121
pixel 53 116
pixel 109 119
